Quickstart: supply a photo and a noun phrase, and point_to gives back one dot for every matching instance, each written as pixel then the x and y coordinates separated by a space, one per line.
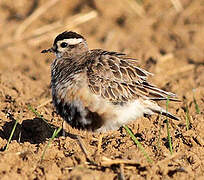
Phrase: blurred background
pixel 167 37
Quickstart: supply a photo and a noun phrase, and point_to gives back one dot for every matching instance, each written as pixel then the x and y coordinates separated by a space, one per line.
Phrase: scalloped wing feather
pixel 115 77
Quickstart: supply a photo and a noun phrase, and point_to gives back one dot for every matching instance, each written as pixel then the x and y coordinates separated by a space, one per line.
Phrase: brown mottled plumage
pixel 100 90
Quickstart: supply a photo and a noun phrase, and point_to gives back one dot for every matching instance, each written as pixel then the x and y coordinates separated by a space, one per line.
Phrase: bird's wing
pixel 115 77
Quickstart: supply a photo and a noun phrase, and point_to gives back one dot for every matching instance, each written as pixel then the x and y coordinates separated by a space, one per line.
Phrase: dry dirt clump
pixel 168 39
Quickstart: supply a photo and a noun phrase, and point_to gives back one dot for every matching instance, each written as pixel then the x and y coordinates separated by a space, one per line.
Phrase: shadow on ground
pixel 33 130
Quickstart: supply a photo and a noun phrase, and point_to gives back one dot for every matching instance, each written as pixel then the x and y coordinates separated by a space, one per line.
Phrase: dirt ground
pixel 168 39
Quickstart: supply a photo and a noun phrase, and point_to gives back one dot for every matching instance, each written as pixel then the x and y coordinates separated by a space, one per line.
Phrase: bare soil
pixel 168 40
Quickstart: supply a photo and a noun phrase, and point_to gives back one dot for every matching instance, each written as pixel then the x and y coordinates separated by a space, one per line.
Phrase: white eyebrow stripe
pixel 73 41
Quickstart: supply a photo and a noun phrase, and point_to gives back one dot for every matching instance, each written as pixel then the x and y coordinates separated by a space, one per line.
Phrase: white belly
pixel 125 114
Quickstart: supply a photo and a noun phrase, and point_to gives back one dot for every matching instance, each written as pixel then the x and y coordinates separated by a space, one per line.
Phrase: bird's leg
pixel 63 131
pixel 84 149
pixel 100 138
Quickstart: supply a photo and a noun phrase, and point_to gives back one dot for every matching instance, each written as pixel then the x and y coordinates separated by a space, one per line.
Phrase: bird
pixel 99 90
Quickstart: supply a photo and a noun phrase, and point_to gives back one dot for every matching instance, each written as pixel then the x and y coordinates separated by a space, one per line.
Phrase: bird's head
pixel 68 44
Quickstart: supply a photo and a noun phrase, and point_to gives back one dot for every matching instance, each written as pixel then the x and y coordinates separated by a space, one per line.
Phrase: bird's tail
pixel 165 113
pixel 153 107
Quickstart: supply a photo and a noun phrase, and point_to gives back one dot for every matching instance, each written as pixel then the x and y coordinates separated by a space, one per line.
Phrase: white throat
pixel 58 54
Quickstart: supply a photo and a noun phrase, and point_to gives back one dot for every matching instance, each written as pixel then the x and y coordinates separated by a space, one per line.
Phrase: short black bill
pixel 48 50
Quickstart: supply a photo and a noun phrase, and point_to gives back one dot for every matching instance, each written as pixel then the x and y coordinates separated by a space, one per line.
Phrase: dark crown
pixel 67 35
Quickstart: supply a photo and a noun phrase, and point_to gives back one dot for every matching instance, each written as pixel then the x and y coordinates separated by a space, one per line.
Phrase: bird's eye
pixel 63 45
